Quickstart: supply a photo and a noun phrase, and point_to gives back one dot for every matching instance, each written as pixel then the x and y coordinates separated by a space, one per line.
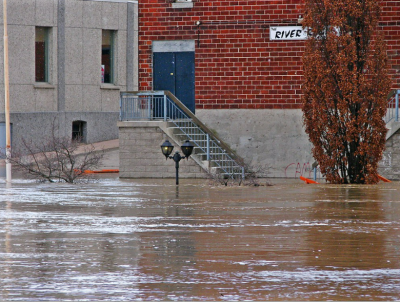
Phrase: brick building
pixel 225 61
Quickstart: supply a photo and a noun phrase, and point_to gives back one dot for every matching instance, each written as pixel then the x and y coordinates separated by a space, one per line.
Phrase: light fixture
pixel 187 149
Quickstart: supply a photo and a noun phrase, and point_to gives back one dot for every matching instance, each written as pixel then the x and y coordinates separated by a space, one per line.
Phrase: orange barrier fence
pixel 383 179
pixel 308 181
pixel 103 171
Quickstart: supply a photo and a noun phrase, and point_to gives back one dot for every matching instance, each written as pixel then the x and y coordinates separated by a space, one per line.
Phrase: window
pixel 79 131
pixel 42 54
pixel 107 56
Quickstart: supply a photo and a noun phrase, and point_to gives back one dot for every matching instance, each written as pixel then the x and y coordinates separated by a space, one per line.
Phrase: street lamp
pixel 187 149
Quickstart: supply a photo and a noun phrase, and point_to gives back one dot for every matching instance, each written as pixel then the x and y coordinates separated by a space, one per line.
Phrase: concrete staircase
pixel 163 110
pixel 208 150
pixel 389 166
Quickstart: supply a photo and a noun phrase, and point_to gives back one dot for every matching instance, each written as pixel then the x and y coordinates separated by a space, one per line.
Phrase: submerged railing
pixel 164 106
pixel 393 106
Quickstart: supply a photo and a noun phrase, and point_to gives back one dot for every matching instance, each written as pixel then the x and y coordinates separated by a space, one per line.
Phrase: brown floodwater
pixel 150 240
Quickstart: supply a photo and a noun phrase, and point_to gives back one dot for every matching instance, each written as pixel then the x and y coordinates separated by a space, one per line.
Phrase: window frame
pixel 79 131
pixel 46 63
pixel 112 56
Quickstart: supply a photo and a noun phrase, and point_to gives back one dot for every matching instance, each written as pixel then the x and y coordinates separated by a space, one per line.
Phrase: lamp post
pixel 187 149
pixel 7 96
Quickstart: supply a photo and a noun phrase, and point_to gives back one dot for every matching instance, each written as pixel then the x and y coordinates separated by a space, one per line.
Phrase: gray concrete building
pixel 68 62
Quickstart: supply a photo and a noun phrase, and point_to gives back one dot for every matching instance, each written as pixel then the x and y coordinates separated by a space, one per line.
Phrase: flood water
pixel 150 240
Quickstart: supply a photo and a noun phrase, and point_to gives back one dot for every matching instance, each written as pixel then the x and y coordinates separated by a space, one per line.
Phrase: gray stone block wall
pixel 74 90
pixel 140 155
pixel 271 138
pixel 100 126
pixel 389 166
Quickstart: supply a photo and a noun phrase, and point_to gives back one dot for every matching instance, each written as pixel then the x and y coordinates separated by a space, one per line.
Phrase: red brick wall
pixel 237 65
pixel 390 24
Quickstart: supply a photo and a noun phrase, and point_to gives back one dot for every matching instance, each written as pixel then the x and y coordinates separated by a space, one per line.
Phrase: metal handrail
pixel 163 105
pixel 393 106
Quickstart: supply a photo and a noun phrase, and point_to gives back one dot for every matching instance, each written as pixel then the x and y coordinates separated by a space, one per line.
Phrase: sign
pixel 287 33
pixel 102 73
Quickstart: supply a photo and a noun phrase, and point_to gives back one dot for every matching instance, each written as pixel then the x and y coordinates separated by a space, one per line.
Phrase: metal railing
pixel 393 106
pixel 163 105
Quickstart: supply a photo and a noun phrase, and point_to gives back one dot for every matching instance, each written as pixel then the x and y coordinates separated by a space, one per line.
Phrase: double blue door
pixel 174 71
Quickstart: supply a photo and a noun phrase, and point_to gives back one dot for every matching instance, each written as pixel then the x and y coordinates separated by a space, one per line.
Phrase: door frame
pixel 175 46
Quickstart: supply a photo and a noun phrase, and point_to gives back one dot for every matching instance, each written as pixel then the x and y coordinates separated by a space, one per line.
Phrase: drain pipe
pixel 208 147
pixel 397 105
pixel 314 167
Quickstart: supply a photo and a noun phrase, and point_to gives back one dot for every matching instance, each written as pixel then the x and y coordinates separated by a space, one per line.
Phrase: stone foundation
pixel 389 166
pixel 141 157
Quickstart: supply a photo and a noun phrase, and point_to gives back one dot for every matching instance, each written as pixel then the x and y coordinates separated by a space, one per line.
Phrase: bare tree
pixel 56 159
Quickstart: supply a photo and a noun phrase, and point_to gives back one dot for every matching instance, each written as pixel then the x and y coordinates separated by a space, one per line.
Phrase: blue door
pixel 174 71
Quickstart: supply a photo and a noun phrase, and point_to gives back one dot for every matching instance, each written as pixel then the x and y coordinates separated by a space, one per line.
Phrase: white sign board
pixel 287 33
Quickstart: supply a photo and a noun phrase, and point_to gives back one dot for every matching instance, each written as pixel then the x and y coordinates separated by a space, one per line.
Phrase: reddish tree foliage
pixel 345 87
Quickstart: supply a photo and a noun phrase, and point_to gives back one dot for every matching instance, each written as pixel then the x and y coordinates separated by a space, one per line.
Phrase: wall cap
pixel 44 85
pixel 109 86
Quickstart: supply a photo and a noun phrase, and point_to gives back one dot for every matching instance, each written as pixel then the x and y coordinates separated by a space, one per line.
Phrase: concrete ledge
pixel 110 87
pixel 393 127
pixel 142 124
pixel 44 85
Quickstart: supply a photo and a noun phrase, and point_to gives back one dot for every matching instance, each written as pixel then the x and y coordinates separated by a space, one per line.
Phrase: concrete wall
pixel 140 154
pixel 36 126
pixel 389 166
pixel 84 22
pixel 23 16
pixel 272 138
pixel 276 138
pixel 74 90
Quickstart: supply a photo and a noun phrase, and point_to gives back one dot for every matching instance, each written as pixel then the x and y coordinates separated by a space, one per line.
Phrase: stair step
pixel 190 135
pixel 230 168
pixel 182 126
pixel 221 165
pixel 220 160
pixel 211 154
pixel 182 120
pixel 225 173
pixel 200 140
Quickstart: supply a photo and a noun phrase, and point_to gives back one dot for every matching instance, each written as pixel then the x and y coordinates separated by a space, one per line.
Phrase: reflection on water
pixel 150 240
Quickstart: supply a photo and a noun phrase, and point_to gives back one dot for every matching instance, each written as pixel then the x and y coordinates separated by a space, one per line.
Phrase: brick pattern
pixel 390 24
pixel 237 66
